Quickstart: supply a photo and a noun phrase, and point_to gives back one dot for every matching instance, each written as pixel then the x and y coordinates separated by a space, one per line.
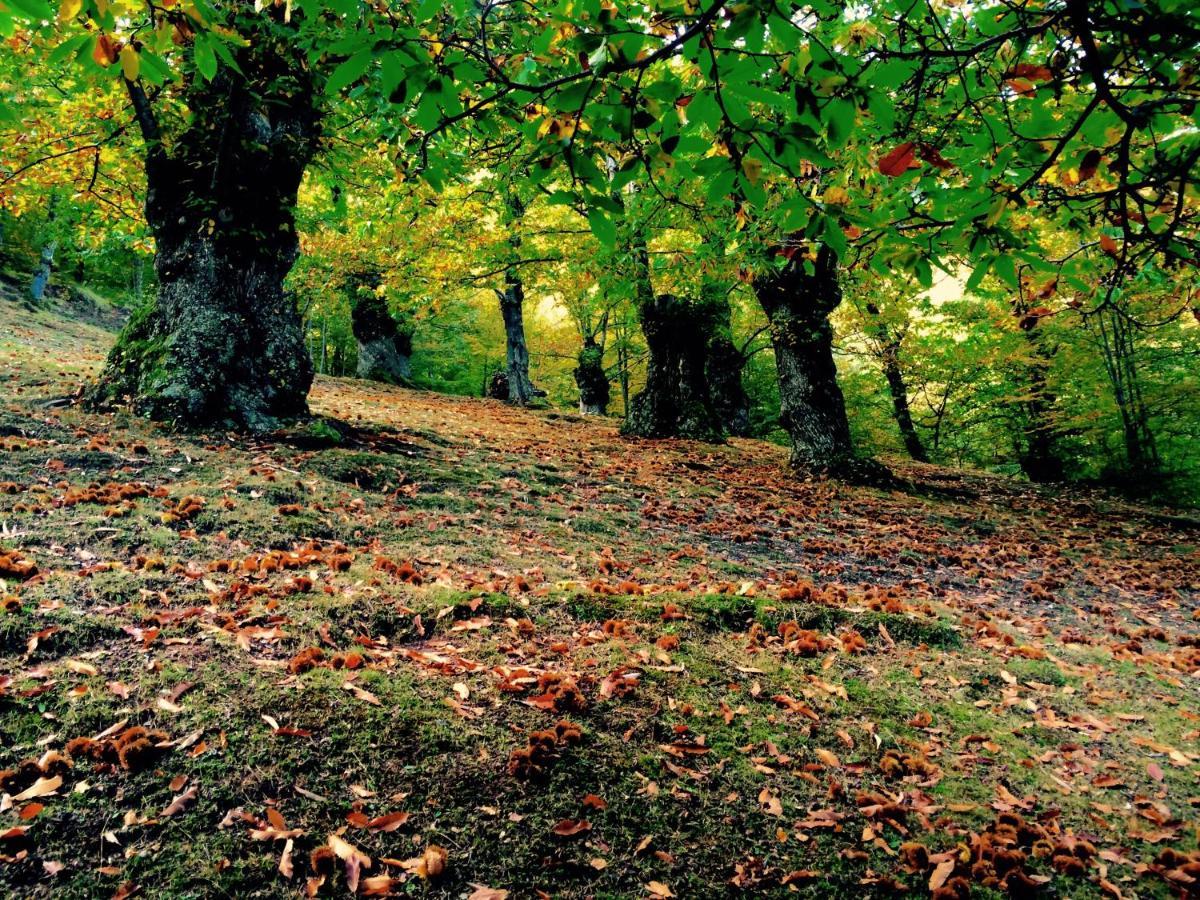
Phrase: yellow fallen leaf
pixel 43 787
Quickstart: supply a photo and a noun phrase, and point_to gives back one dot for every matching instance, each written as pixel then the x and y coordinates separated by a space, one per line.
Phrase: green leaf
pixel 348 72
pixel 203 56
pixel 602 227
pixel 36 10
pixel 69 48
pixel 977 276
pixel 154 69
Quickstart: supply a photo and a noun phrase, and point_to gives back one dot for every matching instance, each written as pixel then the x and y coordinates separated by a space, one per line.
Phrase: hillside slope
pixel 441 647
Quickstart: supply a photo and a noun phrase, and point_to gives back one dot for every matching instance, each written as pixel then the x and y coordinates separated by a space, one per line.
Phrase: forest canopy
pixel 965 232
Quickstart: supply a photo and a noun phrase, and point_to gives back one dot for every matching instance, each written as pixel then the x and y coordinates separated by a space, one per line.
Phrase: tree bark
pixel 512 309
pixel 384 345
pixel 222 343
pixel 798 304
pixel 1040 460
pixel 41 276
pixel 725 364
pixel 516 367
pixel 592 380
pixel 889 355
pixel 676 401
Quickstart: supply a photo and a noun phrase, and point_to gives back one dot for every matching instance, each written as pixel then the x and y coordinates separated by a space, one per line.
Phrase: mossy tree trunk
pixel 594 391
pixel 384 345
pixel 676 400
pixel 222 343
pixel 512 310
pixel 798 300
pixel 725 362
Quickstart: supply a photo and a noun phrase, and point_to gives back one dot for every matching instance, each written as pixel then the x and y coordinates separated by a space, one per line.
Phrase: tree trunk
pixel 676 401
pixel 222 344
pixel 889 354
pixel 384 346
pixel 812 411
pixel 1040 462
pixel 725 364
pixel 138 276
pixel 1117 347
pixel 512 309
pixel 512 303
pixel 41 276
pixel 592 380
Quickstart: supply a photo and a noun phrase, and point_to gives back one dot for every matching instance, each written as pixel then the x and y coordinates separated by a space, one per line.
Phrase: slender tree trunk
pixel 384 346
pixel 623 366
pixel 41 276
pixel 138 276
pixel 222 345
pixel 889 356
pixel 798 304
pixel 1041 461
pixel 516 363
pixel 324 341
pixel 512 309
pixel 1116 344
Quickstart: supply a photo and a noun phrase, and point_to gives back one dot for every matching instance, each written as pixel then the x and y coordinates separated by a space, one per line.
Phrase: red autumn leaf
pixel 388 822
pixel 570 827
pixel 899 160
pixel 1030 71
pixel 933 156
pixel 1087 168
pixel 181 802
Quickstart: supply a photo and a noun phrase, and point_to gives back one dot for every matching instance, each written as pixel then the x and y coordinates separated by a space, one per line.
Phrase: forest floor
pixel 440 647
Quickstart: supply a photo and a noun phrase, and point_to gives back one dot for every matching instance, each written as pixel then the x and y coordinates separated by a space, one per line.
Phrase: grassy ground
pixel 440 647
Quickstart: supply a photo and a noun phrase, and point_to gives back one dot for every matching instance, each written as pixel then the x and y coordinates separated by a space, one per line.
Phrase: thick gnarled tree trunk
pixel 222 343
pixel 592 380
pixel 812 410
pixel 384 345
pixel 676 401
pixel 725 364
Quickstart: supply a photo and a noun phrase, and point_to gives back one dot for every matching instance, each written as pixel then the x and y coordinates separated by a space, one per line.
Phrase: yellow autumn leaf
pixel 828 757
pixel 130 62
pixel 837 196
pixel 753 168
pixel 69 10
